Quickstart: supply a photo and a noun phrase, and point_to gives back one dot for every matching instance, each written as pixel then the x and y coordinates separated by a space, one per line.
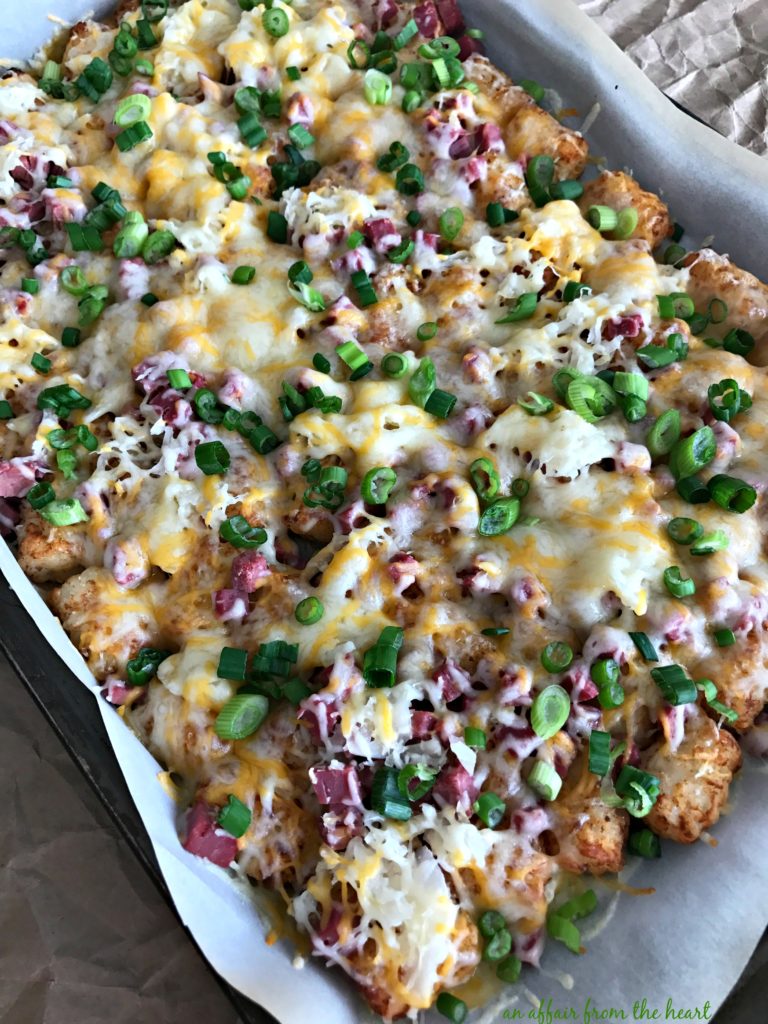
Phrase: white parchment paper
pixel 690 941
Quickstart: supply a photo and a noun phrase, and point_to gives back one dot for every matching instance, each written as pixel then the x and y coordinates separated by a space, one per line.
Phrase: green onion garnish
pixel 159 245
pixel 550 711
pixel 386 797
pixel 599 752
pixel 535 404
pixel 739 342
pixel 693 490
pixel 544 780
pixel 235 818
pixel 451 223
pixel 604 672
pixel 509 970
pixel 644 843
pixel 40 495
pixel 142 669
pixel 495 631
pixel 366 294
pixel 724 637
pixel 572 190
pixel 500 516
pixel 524 307
pixel 490 809
pixel 409 180
pixel 475 738
pixel 64 513
pixel 498 946
pixel 212 458
pixel 684 531
pixel 575 290
pixel 426 331
pixel 133 136
pixel 676 688
pixel 243 275
pixel 440 403
pixel 602 218
pixel 538 177
pixel 6 411
pixel 426 777
pixel 377 485
pixel 693 453
pixel 241 716
pixel 591 397
pixel 732 494
pixel 130 239
pixel 131 109
pixel 556 656
pixel 293 73
pixel 395 365
pixel 485 479
pixel 40 363
pixel 275 22
pixel 62 399
pixel 377 87
pixel 309 611
pixel 233 664
pixel 639 790
pixel 717 540
pixel 726 399
pixel 677 585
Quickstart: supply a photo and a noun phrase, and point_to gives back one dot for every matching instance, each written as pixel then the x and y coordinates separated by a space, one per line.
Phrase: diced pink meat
pixel 455 787
pixel 469 45
pixel 9 519
pixel 632 459
pixel 125 558
pixel 320 715
pixel 230 605
pixel 627 326
pixel 382 234
pixel 578 683
pixel 237 390
pixel 453 680
pixel 516 738
pixel 423 724
pixel 248 569
pixel 353 517
pixel 513 689
pixel 530 822
pixel 18 475
pixel 116 691
pixel 328 933
pixel 474 419
pixel 451 17
pixel 339 786
pixel 386 12
pixel 529 948
pixel 204 839
pixel 402 570
pixel 426 17
pixel 63 209
pixel 489 139
pixel 299 110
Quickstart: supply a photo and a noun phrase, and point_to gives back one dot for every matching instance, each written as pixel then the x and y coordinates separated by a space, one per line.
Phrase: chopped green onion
pixel 674 255
pixel 500 516
pixel 66 512
pixel 235 818
pixel 293 73
pixel 6 411
pixel 309 611
pixel 451 223
pixel 426 778
pixel 248 100
pixel 386 797
pixel 599 752
pixel 212 457
pixel 644 843
pixel 556 656
pixel 602 218
pixel 565 931
pixel 604 672
pixel 30 285
pixel 358 54
pixel 497 215
pixel 320 363
pixel 366 294
pixel 422 382
pixel 664 433
pixel 575 290
pixel 675 305
pixel 626 224
pixel 709 690
pixel 131 109
pixel 144 67
pixel 544 780
pixel 351 354
pixel 277 227
pixel 142 669
pixel 724 637
pixel 639 790
pixel 67 462
pixel 591 397
pixel 41 363
pixel 309 297
pixel 238 187
pixel 631 384
pixel 550 711
pixel 739 342
pixel 693 490
pixel 252 132
pixel 657 356
pixel 233 664
pixel 732 494
pixel 405 35
pixel 452 1008
pixel 377 87
pixel 726 399
pixel 485 479
pixel 676 584
pixel 572 190
pixel 535 404
pixel 395 365
pixel 150 299
pixel 693 453
pixel 684 531
pixel 509 970
pixel 377 485
pixel 95 79
pixel 40 495
pixel 409 180
pixel 490 809
pixel 154 10
pixel 275 22
pixel 62 399
pixel 440 403
pixel 380 661
pixel 498 946
pixel 676 688
pixel 426 331
pixel 159 245
pixel 539 174
pixel 83 239
pixel 241 716
pixel 133 136
pixel 490 922
pixel 243 275
pixel 300 136
pixel 402 252
pixel 524 307
pixel 475 738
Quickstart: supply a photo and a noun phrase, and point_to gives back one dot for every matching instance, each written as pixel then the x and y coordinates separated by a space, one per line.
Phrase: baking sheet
pixel 653 949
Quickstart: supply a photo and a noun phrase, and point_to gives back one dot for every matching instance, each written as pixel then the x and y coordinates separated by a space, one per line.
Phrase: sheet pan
pixel 650 947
